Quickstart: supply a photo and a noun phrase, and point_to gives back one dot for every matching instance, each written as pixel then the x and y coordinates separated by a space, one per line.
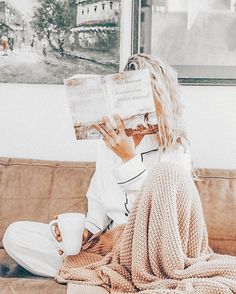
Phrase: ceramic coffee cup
pixel 71 226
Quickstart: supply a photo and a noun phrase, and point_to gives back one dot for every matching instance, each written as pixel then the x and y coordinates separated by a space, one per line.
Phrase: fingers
pixel 109 128
pixel 104 133
pixel 111 137
pixel 119 124
pixel 60 252
pixel 110 141
pixel 57 233
pixel 86 235
pixel 101 130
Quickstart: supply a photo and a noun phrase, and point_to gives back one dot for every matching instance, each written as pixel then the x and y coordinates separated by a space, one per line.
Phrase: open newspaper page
pixel 127 93
pixel 130 95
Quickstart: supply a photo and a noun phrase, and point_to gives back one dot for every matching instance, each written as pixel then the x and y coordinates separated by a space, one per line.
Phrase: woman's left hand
pixel 119 142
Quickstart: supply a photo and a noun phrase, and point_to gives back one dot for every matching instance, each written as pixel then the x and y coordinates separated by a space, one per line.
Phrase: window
pixel 103 6
pixel 111 5
pixel 95 8
pixel 170 30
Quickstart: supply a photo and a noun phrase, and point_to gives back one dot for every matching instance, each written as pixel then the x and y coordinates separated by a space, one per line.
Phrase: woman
pixel 162 247
pixel 123 164
pixel 145 229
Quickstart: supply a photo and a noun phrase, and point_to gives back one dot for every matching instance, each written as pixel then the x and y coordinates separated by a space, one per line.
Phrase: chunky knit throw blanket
pixel 162 249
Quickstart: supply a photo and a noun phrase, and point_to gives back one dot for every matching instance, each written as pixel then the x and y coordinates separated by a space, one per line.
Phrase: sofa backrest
pixel 217 188
pixel 37 190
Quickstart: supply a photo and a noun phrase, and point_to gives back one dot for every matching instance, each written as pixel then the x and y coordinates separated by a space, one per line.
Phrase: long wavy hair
pixel 166 93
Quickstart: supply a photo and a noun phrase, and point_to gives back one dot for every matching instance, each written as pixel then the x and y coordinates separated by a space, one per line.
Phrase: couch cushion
pixel 37 190
pixel 32 286
pixel 217 188
pixel 27 283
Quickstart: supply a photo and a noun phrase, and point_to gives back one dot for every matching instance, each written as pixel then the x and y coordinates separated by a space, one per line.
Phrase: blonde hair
pixel 171 133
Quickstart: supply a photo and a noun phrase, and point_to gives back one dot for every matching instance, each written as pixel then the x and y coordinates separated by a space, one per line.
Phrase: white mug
pixel 71 226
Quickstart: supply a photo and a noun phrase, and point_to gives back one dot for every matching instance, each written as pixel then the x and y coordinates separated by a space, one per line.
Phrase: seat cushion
pixel 14 279
pixel 32 286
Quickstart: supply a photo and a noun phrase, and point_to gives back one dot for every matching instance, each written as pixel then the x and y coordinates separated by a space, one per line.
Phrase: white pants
pixel 32 246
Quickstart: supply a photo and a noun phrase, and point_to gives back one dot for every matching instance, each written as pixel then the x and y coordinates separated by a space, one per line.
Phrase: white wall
pixel 35 122
pixel 210 115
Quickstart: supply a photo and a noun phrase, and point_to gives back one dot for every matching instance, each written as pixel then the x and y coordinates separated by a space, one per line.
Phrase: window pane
pixel 197 37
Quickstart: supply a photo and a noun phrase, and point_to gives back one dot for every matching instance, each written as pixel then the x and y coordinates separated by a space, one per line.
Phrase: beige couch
pixel 37 190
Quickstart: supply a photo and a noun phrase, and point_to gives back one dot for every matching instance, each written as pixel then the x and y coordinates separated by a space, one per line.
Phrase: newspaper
pixel 129 93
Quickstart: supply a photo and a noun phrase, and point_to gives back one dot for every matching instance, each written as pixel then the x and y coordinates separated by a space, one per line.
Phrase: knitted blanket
pixel 163 248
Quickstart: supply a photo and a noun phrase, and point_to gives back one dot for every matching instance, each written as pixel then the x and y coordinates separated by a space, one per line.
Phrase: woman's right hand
pixel 117 141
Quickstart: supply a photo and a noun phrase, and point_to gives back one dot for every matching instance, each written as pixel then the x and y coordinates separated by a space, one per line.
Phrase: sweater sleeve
pixel 96 219
pixel 131 174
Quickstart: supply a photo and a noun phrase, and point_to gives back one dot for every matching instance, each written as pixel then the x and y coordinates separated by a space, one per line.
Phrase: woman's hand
pixel 58 236
pixel 119 142
pixel 86 236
